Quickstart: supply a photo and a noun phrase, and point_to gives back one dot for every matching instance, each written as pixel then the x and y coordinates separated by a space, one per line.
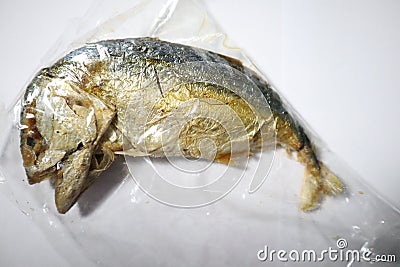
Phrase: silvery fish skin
pixel 74 114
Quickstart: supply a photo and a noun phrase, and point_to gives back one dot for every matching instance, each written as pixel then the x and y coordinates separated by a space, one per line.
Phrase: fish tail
pixel 318 180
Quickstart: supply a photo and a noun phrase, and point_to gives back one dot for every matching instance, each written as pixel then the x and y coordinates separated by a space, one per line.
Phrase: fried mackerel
pixel 74 114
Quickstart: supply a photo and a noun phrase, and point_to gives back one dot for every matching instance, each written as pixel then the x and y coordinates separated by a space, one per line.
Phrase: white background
pixel 336 62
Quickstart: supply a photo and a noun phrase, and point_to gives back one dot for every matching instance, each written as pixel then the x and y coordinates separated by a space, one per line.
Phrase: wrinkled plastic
pixel 116 223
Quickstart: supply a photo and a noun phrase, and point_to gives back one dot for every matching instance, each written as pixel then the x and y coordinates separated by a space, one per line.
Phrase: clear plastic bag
pixel 116 223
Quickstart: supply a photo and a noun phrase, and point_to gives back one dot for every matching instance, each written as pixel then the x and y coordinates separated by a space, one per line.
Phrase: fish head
pixel 60 128
pixel 37 130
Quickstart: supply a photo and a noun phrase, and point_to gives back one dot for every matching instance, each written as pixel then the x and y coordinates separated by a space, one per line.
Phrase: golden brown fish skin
pixel 89 89
pixel 317 180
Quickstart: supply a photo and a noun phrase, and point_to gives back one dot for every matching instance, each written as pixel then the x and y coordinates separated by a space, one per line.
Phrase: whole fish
pixel 124 96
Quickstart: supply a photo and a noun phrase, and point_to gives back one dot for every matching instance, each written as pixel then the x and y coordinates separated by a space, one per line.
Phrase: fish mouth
pixel 33 147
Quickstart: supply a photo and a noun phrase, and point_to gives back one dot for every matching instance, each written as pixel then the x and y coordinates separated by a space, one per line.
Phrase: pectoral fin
pixel 72 179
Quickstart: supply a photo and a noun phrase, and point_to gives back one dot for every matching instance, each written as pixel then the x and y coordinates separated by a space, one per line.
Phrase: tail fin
pixel 318 181
pixel 316 186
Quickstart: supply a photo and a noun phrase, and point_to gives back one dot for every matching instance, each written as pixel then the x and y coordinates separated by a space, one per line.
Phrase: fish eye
pixel 30 141
pixel 80 146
